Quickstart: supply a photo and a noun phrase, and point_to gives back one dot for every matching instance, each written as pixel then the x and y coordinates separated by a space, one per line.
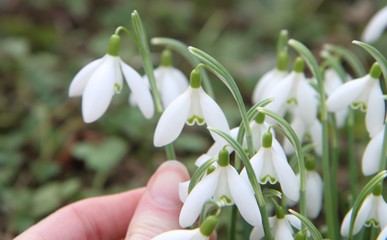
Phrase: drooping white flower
pixel 383 234
pixel 373 211
pixel 202 233
pixel 302 129
pixel 271 165
pixel 170 81
pixel 193 106
pixel 332 82
pixel 99 80
pixel 281 228
pixel 375 26
pixel 223 183
pixel 266 83
pixel 364 93
pixel 295 90
pixel 313 192
pixel 373 154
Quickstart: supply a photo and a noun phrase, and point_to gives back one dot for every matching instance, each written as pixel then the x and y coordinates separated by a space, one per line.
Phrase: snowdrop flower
pixel 314 189
pixel 373 211
pixel 99 80
pixel 258 128
pixel 270 79
pixel 372 154
pixel 193 106
pixel 223 183
pixel 364 93
pixel 332 82
pixel 170 81
pixel 383 234
pixel 203 233
pixel 281 226
pixel 375 26
pixel 302 129
pixel 295 90
pixel 270 165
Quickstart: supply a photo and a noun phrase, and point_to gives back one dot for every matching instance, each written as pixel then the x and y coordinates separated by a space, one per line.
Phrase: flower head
pixel 373 211
pixel 372 154
pixel 281 227
pixel 364 93
pixel 170 81
pixel 375 26
pixel 270 165
pixel 193 106
pixel 99 80
pixel 202 233
pixel 223 183
pixel 295 90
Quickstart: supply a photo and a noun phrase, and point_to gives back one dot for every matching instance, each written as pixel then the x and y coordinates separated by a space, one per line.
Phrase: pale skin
pixel 138 214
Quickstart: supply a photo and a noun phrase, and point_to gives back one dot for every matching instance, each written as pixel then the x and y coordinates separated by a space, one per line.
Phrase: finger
pixel 96 218
pixel 159 208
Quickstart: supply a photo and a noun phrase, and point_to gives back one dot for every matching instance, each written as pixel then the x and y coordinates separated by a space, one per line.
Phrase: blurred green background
pixel 49 157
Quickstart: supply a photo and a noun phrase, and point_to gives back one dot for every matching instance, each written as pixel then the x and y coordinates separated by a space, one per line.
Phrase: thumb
pixel 159 208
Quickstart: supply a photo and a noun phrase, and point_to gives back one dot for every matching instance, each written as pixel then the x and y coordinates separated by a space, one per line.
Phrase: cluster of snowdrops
pixel 282 156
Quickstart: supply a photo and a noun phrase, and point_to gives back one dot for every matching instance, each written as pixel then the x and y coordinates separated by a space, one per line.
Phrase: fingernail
pixel 164 187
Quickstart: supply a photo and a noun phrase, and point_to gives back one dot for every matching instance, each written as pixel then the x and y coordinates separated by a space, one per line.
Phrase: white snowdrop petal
pixel 294 221
pixel 281 94
pixel 118 80
pixel 285 174
pixel 314 194
pixel 382 211
pixel 299 128
pixel 346 94
pixel 257 162
pixel 283 231
pixel 266 83
pixel 375 110
pixel 341 117
pixel 257 233
pixel 213 115
pixel 80 80
pixel 383 234
pixel 307 102
pixel 183 190
pixel 316 132
pixel 193 204
pixel 361 218
pixel 372 154
pixel 181 234
pixel 172 120
pixel 140 91
pixel 243 197
pixel 375 26
pixel 98 92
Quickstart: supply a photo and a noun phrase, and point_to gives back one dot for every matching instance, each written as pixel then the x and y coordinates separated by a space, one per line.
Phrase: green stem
pixel 353 172
pixel 233 223
pixel 142 43
pixel 330 213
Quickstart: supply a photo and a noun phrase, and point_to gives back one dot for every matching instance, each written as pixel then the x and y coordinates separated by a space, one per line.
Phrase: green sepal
pixel 224 158
pixel 279 212
pixel 114 45
pixel 260 118
pixel 267 140
pixel 195 80
pixel 166 58
pixel 375 71
pixel 299 65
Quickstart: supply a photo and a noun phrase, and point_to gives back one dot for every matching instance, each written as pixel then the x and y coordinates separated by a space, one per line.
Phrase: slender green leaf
pixel 313 230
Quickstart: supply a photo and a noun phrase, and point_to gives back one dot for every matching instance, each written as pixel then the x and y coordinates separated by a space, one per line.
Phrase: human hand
pixel 147 211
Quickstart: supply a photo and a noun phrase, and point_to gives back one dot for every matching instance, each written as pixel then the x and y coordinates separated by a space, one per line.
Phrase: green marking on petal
pixel 372 222
pixel 360 105
pixel 269 179
pixel 227 199
pixel 195 119
pixel 117 87
pixel 291 101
